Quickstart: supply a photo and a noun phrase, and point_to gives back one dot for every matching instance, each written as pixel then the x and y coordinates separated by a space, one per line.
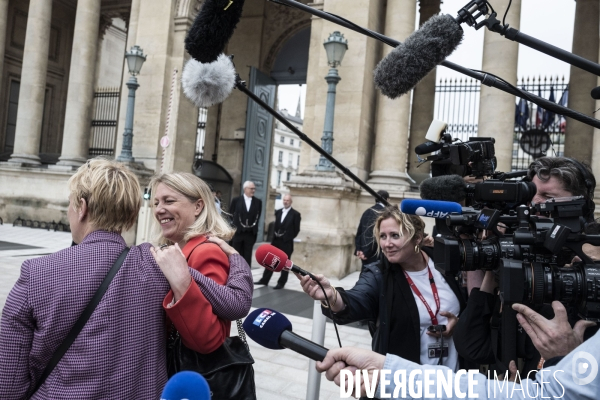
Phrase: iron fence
pixel 536 132
pixel 104 122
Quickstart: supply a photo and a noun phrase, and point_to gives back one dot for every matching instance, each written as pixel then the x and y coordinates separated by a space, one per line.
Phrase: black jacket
pixel 367 300
pixel 241 216
pixel 479 333
pixel 364 234
pixel 284 233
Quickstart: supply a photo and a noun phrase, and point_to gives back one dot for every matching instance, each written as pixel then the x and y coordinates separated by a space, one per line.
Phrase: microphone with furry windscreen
pixel 209 76
pixel 421 52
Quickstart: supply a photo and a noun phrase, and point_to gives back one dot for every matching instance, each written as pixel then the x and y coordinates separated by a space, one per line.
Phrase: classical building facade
pixel 286 151
pixel 55 54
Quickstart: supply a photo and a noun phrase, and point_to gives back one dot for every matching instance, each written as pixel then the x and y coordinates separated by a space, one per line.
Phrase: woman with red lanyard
pixel 406 300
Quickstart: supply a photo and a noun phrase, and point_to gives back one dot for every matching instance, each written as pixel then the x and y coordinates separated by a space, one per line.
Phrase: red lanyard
pixel 415 289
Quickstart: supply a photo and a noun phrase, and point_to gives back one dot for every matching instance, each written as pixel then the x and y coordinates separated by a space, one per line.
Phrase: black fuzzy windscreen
pixel 212 29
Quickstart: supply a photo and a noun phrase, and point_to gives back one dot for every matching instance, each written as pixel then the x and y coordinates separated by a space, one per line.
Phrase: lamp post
pixel 135 59
pixel 336 47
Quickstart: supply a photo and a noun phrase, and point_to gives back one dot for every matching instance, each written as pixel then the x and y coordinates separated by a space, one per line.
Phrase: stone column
pixel 392 123
pixel 80 95
pixel 497 108
pixel 33 83
pixel 3 26
pixel 578 135
pixel 423 103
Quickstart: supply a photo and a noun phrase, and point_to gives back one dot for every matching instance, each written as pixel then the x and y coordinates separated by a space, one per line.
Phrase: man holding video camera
pixel 479 326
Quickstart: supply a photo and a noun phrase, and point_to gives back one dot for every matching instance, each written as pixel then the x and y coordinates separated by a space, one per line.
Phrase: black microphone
pixel 209 77
pixel 595 93
pixel 445 188
pixel 428 147
pixel 273 330
pixel 408 63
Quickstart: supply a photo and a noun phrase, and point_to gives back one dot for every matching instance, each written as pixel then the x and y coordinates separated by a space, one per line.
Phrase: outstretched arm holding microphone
pixel 575 376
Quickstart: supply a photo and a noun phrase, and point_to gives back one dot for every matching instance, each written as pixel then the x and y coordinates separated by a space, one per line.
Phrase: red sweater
pixel 192 315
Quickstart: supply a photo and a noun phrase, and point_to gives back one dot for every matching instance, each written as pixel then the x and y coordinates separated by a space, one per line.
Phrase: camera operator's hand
pixel 360 255
pixel 452 321
pixel 427 241
pixel 552 337
pixel 512 373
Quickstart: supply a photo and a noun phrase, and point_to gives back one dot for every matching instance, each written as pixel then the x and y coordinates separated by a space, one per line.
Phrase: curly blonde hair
pixel 412 224
pixel 209 221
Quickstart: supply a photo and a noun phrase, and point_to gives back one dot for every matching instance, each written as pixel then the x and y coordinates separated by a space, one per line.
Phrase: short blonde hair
pixel 412 224
pixel 209 221
pixel 112 193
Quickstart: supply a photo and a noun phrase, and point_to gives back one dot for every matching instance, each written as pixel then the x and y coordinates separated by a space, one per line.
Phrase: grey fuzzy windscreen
pixel 408 63
pixel 444 188
pixel 209 83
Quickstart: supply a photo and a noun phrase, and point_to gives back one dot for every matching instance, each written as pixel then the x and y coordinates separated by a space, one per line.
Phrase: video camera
pixel 475 157
pixel 532 260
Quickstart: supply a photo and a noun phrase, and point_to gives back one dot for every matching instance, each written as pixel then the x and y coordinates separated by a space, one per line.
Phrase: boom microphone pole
pixel 483 77
pixel 241 86
pixel 477 8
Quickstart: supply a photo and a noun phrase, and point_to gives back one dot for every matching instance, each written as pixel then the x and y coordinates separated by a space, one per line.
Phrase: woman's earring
pixel 417 249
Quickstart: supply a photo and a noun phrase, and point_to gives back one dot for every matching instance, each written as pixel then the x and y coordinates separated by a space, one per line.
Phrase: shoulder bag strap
pixel 83 318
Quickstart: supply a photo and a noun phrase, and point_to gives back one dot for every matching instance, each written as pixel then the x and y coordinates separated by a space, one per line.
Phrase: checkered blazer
pixel 119 354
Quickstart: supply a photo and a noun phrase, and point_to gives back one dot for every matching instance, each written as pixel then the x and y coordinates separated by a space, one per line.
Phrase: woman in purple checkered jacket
pixel 120 352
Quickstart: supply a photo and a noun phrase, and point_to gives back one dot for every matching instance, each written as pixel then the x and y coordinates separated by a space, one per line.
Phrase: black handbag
pixel 228 370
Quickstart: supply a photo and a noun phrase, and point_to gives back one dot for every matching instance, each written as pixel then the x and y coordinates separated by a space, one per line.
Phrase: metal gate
pixel 104 122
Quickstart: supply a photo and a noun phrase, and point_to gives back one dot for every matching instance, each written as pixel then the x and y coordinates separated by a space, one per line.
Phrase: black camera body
pixel 476 157
pixel 531 259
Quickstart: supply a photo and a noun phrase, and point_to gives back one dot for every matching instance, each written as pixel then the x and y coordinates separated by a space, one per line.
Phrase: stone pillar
pixel 80 95
pixel 497 108
pixel 33 83
pixel 578 135
pixel 423 103
pixel 3 26
pixel 392 123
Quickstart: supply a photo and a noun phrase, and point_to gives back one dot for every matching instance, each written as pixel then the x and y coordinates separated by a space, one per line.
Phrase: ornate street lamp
pixel 135 59
pixel 336 47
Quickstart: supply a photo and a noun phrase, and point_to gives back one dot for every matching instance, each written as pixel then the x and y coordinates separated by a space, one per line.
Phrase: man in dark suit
pixel 366 246
pixel 287 226
pixel 246 210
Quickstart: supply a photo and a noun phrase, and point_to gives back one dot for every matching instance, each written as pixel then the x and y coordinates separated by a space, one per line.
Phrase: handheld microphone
pixel 186 385
pixel 421 52
pixel 445 187
pixel 209 76
pixel 595 93
pixel 273 330
pixel 430 208
pixel 276 260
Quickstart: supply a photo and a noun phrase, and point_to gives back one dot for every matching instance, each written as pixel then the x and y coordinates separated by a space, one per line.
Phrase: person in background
pixel 287 227
pixel 245 210
pixel 365 244
pixel 217 201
